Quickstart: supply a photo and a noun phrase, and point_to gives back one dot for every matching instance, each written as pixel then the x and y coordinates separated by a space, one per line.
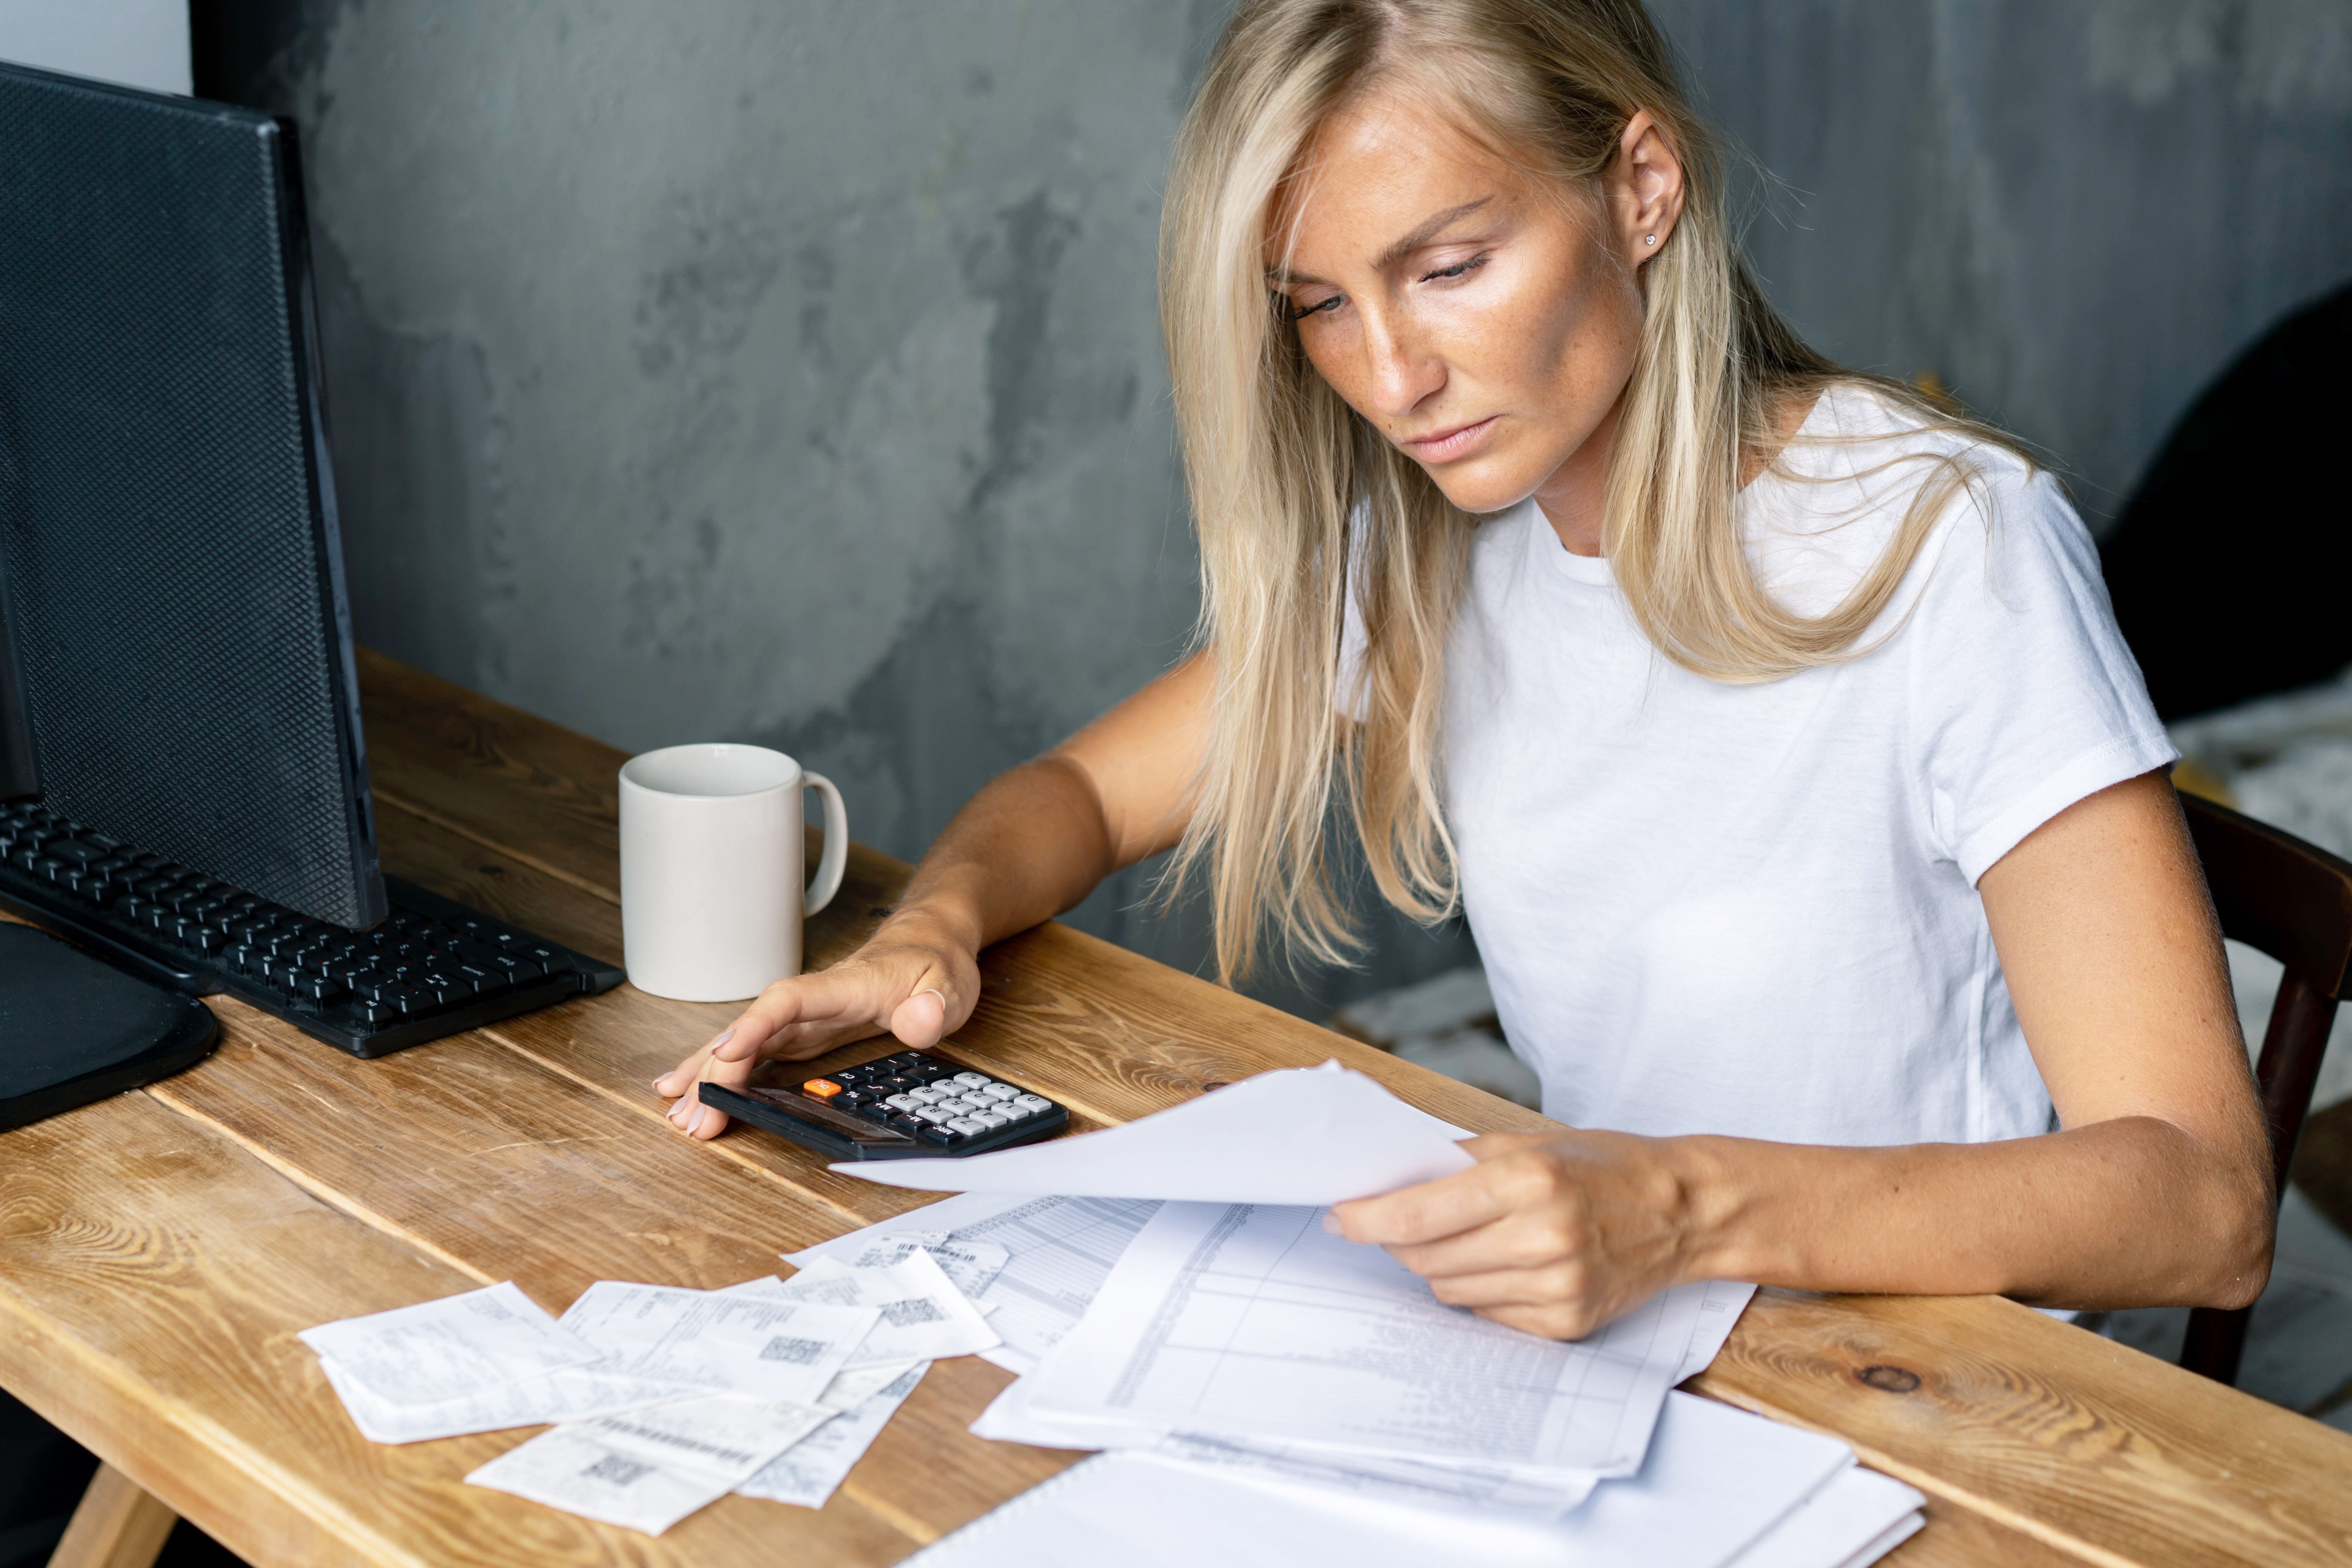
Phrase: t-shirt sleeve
pixel 2024 698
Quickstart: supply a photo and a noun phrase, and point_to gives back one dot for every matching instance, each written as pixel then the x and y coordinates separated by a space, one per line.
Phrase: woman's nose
pixel 1402 375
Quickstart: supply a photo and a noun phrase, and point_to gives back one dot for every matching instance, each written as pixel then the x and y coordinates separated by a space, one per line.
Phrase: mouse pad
pixel 74 1029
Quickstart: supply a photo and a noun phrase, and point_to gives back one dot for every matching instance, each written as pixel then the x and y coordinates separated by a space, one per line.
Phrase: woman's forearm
pixel 2133 1211
pixel 1030 844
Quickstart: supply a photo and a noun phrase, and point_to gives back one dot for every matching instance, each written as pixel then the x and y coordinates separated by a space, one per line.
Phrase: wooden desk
pixel 159 1251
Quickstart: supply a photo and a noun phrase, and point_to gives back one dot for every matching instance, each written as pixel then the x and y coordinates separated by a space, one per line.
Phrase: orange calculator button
pixel 823 1088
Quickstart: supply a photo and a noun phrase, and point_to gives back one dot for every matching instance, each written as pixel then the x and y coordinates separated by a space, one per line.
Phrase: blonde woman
pixel 1771 728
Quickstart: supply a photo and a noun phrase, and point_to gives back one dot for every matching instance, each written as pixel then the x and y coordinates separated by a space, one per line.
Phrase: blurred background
pixel 790 372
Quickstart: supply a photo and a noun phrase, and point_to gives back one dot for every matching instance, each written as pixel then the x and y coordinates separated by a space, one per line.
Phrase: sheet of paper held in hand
pixel 1301 1135
pixel 1210 1301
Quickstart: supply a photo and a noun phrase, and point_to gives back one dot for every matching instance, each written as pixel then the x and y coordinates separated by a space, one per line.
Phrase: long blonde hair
pixel 1295 495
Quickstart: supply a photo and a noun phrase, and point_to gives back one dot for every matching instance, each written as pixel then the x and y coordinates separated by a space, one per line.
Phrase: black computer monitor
pixel 175 665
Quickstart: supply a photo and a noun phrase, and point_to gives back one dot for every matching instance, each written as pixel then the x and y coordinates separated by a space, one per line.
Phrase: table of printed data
pixel 160 1252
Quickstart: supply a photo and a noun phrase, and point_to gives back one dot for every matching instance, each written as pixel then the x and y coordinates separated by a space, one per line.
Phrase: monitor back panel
pixel 168 550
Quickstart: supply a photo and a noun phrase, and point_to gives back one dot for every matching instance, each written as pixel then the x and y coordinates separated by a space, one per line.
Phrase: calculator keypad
pixel 938 1102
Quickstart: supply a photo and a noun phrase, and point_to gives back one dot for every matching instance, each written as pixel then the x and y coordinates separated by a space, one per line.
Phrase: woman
pixel 1769 727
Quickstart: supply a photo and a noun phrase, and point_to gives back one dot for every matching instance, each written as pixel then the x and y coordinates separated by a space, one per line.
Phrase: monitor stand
pixel 73 1029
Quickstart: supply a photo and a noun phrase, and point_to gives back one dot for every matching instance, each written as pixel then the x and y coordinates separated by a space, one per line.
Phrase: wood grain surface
pixel 159 1251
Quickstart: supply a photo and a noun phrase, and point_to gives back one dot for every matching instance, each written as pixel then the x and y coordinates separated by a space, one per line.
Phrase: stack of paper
pixel 1182 1305
pixel 661 1400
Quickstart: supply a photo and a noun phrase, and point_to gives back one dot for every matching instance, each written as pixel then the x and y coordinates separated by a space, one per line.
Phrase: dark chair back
pixel 2293 901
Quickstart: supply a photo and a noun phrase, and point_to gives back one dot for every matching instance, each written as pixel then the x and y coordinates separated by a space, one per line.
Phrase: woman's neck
pixel 1575 499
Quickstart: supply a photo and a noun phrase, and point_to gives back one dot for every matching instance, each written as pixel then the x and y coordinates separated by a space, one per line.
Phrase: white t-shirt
pixel 1752 909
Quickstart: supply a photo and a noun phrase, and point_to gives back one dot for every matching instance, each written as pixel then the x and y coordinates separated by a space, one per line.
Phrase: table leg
pixel 116 1525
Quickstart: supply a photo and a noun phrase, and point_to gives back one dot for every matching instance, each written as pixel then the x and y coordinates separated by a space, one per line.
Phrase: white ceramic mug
pixel 711 864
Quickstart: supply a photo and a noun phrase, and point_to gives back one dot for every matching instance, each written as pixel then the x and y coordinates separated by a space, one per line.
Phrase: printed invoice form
pixel 1252 1322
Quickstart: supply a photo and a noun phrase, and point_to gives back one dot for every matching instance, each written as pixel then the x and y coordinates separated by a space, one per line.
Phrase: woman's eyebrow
pixel 1429 229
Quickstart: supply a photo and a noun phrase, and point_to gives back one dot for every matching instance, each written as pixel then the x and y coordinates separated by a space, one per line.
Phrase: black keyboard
pixel 432 967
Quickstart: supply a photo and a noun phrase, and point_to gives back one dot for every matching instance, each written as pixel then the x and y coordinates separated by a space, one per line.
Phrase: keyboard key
pixel 1001 1091
pixel 1012 1110
pixel 821 1088
pixel 926 1096
pixel 968 1125
pixel 1032 1103
pixel 972 1080
pixel 934 1115
pixel 903 1103
pixel 945 1137
pixel 990 1119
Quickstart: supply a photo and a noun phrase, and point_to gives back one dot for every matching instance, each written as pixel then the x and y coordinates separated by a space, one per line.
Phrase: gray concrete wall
pixel 2072 212
pixel 789 373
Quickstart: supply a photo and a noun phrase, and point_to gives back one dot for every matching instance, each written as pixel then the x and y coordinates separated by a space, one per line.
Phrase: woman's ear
pixel 1644 186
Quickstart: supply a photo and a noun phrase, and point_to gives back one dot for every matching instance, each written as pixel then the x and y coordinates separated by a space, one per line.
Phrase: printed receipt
pixel 448 1349
pixel 736 1343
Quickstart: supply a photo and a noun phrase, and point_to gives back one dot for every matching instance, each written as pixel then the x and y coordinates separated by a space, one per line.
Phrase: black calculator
pixel 909 1106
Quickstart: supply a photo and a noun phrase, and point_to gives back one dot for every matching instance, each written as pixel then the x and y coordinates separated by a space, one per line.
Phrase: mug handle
pixel 836 857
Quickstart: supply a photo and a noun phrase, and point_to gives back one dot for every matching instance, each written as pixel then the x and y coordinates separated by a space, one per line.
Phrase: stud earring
pixel 1649 239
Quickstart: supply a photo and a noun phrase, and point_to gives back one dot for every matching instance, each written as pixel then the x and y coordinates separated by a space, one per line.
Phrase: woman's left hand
pixel 1554 1233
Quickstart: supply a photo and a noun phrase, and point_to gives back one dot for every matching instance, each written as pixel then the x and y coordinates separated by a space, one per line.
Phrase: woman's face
pixel 1483 323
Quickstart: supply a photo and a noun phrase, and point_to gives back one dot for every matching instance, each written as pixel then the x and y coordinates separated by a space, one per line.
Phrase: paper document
pixel 1856 1518
pixel 924 1316
pixel 1715 1480
pixel 1534 1492
pixel 571 1394
pixel 448 1349
pixel 753 1345
pixel 565 1470
pixel 808 1472
pixel 1250 1321
pixel 1302 1135
pixel 1721 1303
pixel 854 1387
pixel 973 1266
pixel 1057 1253
pixel 718 1435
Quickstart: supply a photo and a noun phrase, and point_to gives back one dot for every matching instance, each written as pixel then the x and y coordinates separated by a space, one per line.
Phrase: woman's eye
pixel 1320 307
pixel 1459 269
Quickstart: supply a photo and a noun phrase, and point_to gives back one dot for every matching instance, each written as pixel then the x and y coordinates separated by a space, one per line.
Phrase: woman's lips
pixel 1448 445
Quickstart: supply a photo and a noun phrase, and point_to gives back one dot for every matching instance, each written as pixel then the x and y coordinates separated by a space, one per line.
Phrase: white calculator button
pixel 993 1119
pixel 1002 1091
pixel 925 1096
pixel 903 1103
pixel 962 1104
pixel 967 1125
pixel 972 1080
pixel 1012 1110
pixel 1034 1103
pixel 935 1116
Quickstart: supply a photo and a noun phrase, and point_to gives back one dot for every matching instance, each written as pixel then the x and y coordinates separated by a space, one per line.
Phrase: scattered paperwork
pixel 808 1472
pixel 1717 1484
pixel 1056 1253
pixel 662 1399
pixel 1302 1135
pixel 446 1350
pixel 737 1343
pixel 923 1316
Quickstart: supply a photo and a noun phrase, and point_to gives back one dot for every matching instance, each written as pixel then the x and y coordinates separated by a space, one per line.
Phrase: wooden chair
pixel 2293 901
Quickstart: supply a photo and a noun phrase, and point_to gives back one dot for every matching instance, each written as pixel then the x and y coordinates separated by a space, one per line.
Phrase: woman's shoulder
pixel 1824 513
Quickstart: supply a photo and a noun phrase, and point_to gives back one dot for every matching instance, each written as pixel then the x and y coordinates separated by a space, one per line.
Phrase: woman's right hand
pixel 910 980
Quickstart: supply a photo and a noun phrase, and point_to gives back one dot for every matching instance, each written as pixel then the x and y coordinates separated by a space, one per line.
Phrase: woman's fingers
pixel 1450 1204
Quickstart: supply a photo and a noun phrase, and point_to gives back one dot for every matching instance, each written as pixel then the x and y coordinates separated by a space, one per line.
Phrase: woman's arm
pixel 2158 1191
pixel 1030 844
